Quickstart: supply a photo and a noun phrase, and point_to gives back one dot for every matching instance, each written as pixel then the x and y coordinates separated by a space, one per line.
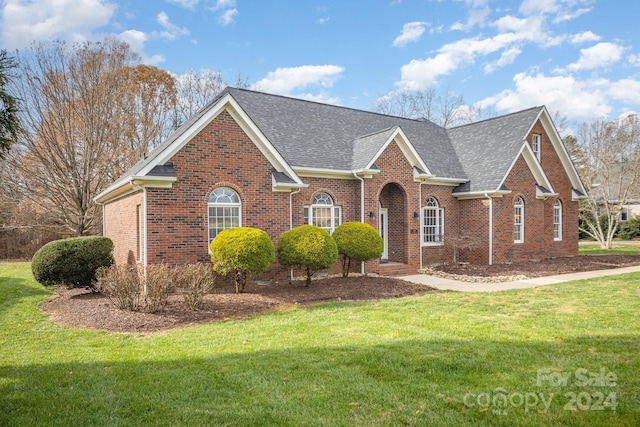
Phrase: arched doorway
pixel 393 223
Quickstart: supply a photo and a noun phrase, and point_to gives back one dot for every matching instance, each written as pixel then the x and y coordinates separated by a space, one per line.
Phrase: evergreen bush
pixel 308 247
pixel 241 250
pixel 72 262
pixel 357 241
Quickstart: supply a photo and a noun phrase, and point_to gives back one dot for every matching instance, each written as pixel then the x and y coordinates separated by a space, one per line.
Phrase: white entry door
pixel 384 225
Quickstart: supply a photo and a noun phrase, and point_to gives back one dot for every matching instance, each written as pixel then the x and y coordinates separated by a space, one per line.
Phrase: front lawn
pixel 554 355
pixel 592 248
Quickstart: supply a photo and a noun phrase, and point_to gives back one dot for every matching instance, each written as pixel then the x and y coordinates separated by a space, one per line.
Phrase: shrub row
pixel 246 250
pixel 129 286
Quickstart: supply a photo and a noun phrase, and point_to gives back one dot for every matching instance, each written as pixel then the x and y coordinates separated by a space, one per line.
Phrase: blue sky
pixel 579 57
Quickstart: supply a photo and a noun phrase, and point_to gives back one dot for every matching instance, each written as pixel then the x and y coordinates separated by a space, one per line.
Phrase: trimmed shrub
pixel 158 286
pixel 72 262
pixel 194 282
pixel 308 247
pixel 241 250
pixel 630 229
pixel 121 284
pixel 357 241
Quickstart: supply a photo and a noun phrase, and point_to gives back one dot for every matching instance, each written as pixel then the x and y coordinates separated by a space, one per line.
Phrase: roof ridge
pixel 326 104
pixel 377 132
pixel 497 117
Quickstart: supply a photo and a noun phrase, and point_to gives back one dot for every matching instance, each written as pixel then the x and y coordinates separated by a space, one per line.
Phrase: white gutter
pixel 291 218
pixel 490 228
pixel 361 210
pixel 420 226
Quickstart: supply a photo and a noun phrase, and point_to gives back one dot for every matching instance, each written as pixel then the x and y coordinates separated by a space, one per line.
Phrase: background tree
pixel 9 123
pixel 447 110
pixel 607 157
pixel 90 112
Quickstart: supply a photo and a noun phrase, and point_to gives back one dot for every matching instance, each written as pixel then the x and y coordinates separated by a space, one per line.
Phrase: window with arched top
pixel 224 211
pixel 518 220
pixel 557 220
pixel 323 213
pixel 432 223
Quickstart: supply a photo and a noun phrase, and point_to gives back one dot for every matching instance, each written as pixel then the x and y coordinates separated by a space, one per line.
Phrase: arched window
pixel 432 223
pixel 322 213
pixel 557 220
pixel 224 211
pixel 518 220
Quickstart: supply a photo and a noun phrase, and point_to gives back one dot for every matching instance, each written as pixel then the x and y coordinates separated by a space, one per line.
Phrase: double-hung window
pixel 224 211
pixel 322 213
pixel 535 145
pixel 518 220
pixel 557 220
pixel 432 223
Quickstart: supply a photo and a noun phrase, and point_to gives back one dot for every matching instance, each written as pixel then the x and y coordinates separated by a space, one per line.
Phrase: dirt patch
pixel 85 309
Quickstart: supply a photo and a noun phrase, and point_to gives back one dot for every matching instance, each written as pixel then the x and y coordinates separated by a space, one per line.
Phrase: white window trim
pixel 223 205
pixel 519 205
pixel 557 208
pixel 624 212
pixel 536 145
pixel 336 212
pixel 439 225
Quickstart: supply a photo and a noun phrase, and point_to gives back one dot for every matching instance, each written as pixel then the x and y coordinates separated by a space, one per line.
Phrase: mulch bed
pixel 85 309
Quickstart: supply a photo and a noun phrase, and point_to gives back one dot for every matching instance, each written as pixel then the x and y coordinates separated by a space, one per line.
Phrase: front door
pixel 384 224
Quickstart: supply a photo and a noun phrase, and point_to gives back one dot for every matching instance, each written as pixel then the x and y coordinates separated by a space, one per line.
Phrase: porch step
pixel 395 269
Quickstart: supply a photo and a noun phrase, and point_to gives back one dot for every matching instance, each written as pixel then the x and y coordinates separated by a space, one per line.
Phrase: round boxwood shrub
pixel 241 250
pixel 308 247
pixel 72 262
pixel 357 241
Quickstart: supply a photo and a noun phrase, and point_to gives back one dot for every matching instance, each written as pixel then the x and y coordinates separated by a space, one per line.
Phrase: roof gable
pixel 381 141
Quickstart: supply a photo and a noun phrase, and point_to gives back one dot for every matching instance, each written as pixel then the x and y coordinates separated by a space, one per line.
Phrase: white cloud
pixel 187 4
pixel 411 32
pixel 172 31
pixel 284 81
pixel 228 16
pixel 507 57
pixel 600 55
pixel 136 40
pixel 576 99
pixel 585 37
pixel 24 21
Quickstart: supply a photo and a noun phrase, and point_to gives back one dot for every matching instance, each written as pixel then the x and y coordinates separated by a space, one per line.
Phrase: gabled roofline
pixel 558 145
pixel 225 102
pixel 405 146
pixel 534 166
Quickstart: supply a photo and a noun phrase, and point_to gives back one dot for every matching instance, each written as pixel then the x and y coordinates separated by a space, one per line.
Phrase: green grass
pixel 616 249
pixel 410 361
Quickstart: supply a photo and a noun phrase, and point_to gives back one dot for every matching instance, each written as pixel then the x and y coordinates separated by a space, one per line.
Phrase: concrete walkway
pixel 456 285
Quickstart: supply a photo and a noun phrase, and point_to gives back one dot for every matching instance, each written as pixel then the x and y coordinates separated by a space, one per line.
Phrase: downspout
pixel 420 227
pixel 490 228
pixel 361 210
pixel 144 231
pixel 291 218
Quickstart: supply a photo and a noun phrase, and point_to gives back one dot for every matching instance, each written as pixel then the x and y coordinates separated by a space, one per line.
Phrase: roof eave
pixel 132 184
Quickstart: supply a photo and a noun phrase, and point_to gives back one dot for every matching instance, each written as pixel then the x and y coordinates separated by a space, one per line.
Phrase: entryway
pixel 392 223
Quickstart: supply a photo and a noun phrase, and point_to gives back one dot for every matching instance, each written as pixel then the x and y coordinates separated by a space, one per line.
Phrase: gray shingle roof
pixel 313 135
pixel 487 149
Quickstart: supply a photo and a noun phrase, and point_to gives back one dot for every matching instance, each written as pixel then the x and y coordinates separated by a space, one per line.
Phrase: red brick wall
pixel 223 155
pixel 121 225
pixel 220 155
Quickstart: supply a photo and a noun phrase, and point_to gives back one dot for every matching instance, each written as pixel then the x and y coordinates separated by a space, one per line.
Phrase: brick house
pixel 253 159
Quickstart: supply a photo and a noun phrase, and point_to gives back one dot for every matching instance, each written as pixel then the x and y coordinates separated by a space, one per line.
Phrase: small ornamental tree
pixel 357 241
pixel 308 247
pixel 241 250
